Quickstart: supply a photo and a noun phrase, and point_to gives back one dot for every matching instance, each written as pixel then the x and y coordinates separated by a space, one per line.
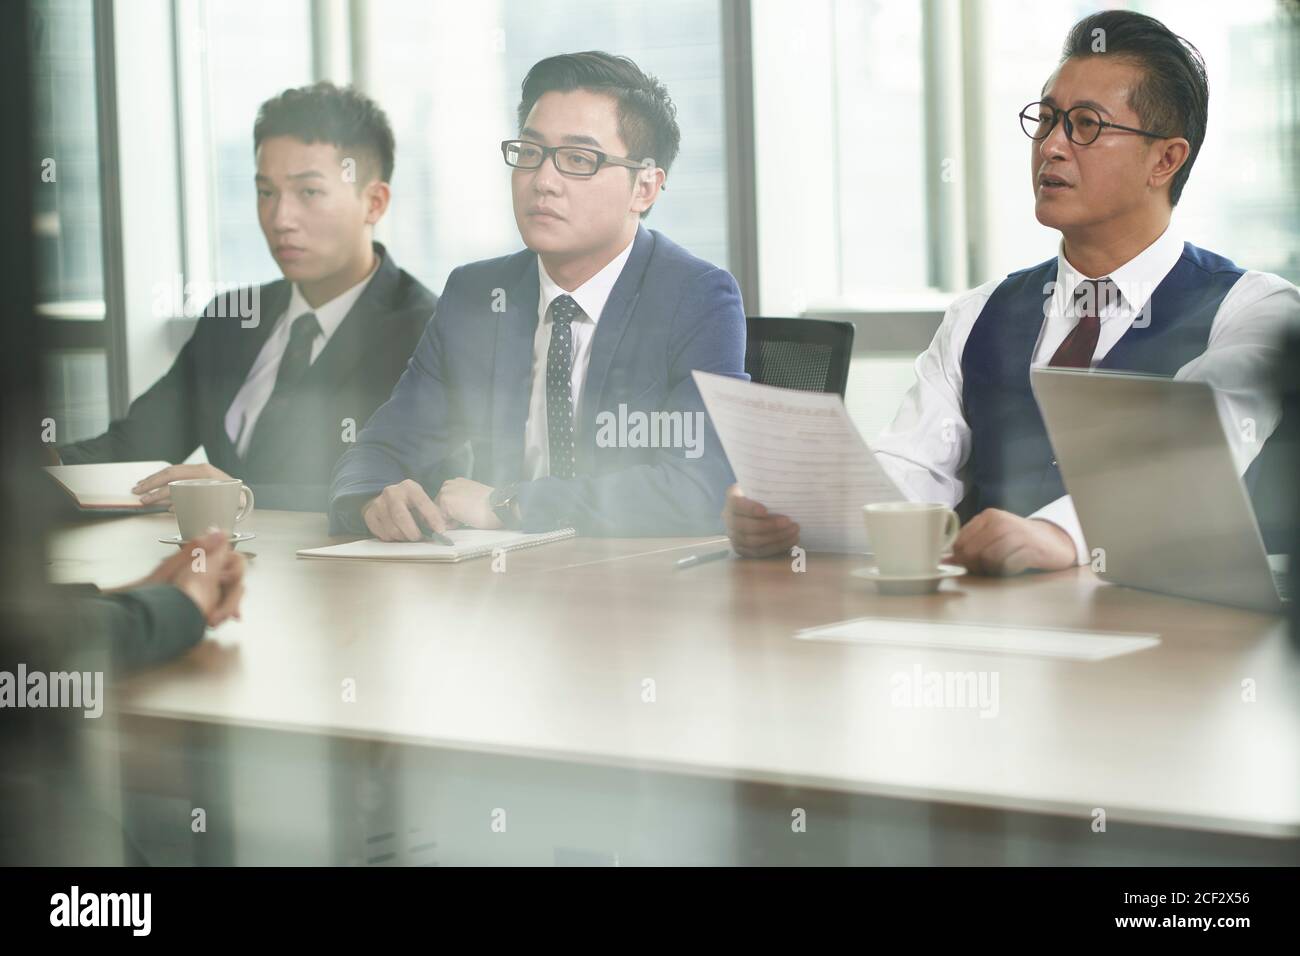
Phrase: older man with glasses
pixel 1114 136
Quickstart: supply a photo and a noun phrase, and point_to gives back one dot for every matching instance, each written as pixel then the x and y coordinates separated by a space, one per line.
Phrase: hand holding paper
pixel 798 454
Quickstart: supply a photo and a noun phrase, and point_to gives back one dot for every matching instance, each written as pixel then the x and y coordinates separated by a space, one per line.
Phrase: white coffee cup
pixel 909 537
pixel 203 503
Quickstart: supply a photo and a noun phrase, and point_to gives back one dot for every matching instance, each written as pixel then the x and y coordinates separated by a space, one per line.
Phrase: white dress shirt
pixel 591 297
pixel 253 395
pixel 926 447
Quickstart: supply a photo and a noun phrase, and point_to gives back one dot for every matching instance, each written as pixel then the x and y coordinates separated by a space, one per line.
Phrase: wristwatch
pixel 504 503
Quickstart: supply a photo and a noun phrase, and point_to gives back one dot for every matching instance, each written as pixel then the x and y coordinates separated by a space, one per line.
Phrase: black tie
pixel 559 387
pixel 297 354
pixel 293 366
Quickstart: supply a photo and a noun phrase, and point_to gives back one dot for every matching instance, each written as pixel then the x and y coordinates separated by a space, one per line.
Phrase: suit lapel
pixel 362 325
pixel 337 359
pixel 613 324
pixel 1029 330
pixel 272 300
pixel 229 364
pixel 512 373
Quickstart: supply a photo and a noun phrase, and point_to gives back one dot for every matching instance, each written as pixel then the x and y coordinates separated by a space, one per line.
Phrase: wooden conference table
pixel 591 704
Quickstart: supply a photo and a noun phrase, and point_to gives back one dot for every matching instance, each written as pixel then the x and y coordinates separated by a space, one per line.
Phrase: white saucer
pixel 910 583
pixel 236 538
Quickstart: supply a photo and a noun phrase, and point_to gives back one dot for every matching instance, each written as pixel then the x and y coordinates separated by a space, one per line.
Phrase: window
pixel 67 222
pixel 243 52
pixel 76 392
pixel 878 99
pixel 67 225
pixel 892 173
pixel 840 153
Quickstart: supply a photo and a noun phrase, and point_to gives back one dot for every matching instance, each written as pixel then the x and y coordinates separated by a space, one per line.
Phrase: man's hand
pixel 217 585
pixel 153 489
pixel 754 533
pixel 389 515
pixel 998 542
pixel 468 502
pixel 162 574
pixel 216 590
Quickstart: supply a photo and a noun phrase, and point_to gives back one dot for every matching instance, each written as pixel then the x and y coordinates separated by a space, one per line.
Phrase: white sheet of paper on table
pixel 466 543
pixel 1059 643
pixel 799 454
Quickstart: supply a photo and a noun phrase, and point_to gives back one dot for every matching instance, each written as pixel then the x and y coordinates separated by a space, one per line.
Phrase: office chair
pixel 811 355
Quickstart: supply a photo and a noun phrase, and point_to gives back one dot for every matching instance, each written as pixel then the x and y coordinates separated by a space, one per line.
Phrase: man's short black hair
pixel 647 118
pixel 325 113
pixel 1173 96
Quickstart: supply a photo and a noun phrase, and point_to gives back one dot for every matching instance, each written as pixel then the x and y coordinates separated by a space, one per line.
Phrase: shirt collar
pixel 1137 278
pixel 331 314
pixel 592 295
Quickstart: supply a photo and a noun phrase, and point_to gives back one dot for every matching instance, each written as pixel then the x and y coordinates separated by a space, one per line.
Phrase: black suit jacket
pixel 293 452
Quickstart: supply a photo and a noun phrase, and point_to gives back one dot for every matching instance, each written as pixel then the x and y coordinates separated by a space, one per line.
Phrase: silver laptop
pixel 1152 477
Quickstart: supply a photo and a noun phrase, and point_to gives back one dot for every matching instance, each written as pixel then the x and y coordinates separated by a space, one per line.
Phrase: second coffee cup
pixel 909 537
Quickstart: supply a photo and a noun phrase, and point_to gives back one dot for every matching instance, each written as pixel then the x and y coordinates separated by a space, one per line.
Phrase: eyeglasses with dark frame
pixel 569 160
pixel 1084 120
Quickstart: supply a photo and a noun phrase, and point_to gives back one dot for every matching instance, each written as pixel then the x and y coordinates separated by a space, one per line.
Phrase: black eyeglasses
pixel 570 160
pixel 1083 124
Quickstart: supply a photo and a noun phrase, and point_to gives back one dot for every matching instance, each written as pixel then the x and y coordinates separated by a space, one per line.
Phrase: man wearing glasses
pixel 1113 139
pixel 495 421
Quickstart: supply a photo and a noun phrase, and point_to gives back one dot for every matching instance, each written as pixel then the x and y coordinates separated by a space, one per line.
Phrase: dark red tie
pixel 1090 297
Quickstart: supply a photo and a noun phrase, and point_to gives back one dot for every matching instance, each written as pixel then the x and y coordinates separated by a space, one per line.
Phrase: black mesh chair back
pixel 811 355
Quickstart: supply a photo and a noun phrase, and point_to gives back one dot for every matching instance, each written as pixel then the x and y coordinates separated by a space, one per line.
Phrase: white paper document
pixel 466 543
pixel 800 455
pixel 1059 643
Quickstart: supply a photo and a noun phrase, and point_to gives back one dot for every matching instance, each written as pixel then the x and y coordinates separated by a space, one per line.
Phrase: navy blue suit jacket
pixel 460 407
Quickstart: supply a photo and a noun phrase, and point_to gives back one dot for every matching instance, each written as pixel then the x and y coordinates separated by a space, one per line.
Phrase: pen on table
pixel 429 534
pixel 694 559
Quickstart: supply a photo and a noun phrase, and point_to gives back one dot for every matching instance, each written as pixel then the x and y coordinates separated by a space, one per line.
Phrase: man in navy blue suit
pixel 553 387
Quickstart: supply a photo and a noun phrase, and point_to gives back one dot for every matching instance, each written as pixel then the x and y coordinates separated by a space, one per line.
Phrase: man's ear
pixel 1172 156
pixel 647 183
pixel 376 195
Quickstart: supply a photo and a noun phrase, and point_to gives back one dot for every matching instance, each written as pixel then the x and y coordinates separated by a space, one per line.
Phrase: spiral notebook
pixel 467 543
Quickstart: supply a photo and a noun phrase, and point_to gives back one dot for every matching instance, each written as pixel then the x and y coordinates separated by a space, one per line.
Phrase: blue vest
pixel 1011 464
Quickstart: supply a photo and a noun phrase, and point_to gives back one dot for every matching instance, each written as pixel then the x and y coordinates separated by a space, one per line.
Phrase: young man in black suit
pixel 276 392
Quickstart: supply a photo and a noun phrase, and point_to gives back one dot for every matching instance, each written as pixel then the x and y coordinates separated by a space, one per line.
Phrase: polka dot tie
pixel 559 387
